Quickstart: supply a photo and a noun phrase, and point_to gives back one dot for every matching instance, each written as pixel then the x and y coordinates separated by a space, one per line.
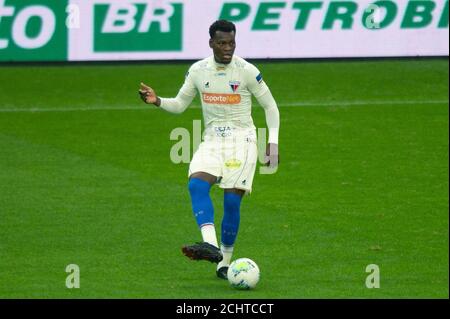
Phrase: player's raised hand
pixel 147 94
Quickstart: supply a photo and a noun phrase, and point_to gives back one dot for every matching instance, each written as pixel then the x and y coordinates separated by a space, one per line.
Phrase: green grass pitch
pixel 86 178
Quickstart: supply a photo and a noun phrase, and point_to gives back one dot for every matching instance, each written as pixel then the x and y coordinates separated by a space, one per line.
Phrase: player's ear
pixel 211 43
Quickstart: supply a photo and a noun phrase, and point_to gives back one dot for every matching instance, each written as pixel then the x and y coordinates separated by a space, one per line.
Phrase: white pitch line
pixel 293 104
pixel 72 109
pixel 362 103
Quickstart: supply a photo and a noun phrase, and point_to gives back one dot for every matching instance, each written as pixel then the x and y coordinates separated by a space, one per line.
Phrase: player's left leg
pixel 238 170
pixel 230 227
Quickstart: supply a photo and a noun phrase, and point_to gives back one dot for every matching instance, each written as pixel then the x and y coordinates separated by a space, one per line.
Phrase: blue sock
pixel 201 202
pixel 231 218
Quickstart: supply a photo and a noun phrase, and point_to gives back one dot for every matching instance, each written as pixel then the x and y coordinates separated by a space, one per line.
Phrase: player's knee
pixel 198 187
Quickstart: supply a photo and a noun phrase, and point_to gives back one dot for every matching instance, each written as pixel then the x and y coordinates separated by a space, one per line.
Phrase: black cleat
pixel 203 251
pixel 222 272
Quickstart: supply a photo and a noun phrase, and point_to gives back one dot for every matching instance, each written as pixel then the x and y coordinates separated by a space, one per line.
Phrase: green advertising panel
pixel 113 30
pixel 137 28
pixel 33 30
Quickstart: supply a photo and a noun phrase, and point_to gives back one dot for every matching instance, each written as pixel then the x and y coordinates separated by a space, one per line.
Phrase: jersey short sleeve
pixel 255 82
pixel 188 87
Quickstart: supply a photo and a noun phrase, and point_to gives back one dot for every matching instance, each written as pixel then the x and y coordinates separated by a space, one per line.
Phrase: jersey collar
pixel 220 66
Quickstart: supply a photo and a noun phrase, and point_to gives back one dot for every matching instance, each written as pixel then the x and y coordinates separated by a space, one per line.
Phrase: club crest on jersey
pixel 234 85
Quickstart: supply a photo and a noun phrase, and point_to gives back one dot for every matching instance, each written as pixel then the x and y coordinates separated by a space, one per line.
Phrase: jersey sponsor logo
pixel 233 163
pixel 216 98
pixel 234 85
pixel 223 131
pixel 259 78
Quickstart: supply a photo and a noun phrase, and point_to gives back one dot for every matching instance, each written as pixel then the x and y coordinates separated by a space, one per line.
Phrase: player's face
pixel 223 45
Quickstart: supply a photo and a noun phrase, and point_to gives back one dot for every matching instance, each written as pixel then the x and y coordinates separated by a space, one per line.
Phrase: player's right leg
pixel 199 186
pixel 204 171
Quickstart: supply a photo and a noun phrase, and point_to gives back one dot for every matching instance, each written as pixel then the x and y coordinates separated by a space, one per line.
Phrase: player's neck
pixel 221 63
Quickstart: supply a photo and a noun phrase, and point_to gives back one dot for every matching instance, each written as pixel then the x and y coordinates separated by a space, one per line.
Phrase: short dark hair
pixel 221 25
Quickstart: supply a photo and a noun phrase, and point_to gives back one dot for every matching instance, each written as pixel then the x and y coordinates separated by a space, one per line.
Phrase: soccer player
pixel 227 155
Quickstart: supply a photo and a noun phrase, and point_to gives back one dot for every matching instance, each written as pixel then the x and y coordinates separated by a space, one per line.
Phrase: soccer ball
pixel 243 273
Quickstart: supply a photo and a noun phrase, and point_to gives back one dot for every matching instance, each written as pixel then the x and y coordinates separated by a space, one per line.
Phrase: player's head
pixel 222 41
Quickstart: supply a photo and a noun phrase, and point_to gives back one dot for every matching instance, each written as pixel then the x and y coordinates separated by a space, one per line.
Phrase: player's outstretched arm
pixel 173 105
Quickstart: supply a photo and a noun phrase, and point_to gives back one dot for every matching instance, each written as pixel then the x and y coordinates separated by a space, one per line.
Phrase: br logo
pixel 137 25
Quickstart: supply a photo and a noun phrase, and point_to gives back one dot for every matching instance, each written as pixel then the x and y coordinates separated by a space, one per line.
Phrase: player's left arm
pixel 261 91
pixel 273 123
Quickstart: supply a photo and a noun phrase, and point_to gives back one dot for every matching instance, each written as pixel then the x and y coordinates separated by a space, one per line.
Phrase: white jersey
pixel 229 147
pixel 225 91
